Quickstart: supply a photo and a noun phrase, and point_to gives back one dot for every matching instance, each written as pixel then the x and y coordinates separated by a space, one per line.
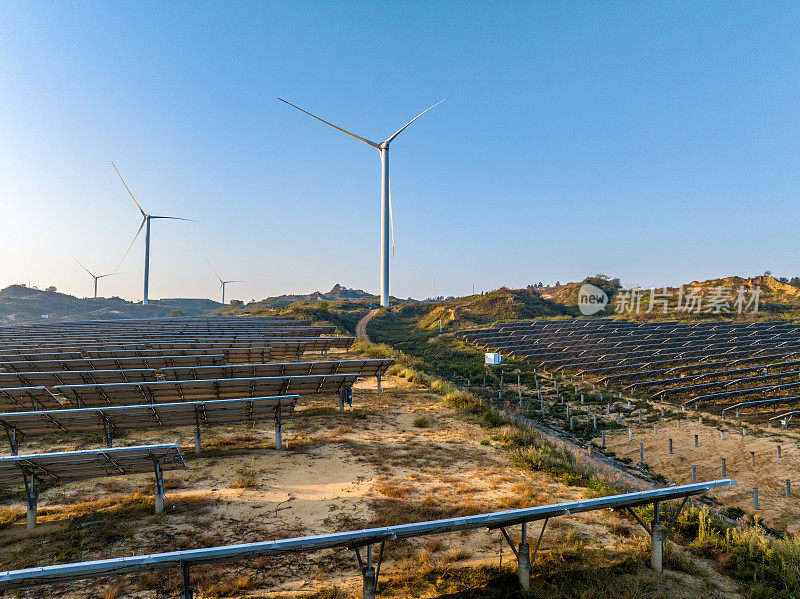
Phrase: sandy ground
pixel 340 472
pixel 768 474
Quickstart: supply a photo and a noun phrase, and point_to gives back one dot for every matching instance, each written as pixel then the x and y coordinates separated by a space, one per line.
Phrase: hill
pixel 501 304
pixel 21 304
pixel 778 298
pixel 281 301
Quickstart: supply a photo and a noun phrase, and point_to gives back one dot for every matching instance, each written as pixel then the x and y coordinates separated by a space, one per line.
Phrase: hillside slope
pixel 501 304
pixel 20 304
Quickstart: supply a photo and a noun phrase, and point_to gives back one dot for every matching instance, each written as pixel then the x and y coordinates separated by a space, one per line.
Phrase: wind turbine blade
pixel 399 131
pixel 176 218
pixel 82 266
pixel 215 272
pixel 144 220
pixel 111 274
pixel 358 137
pixel 391 217
pixel 129 191
pixel 226 282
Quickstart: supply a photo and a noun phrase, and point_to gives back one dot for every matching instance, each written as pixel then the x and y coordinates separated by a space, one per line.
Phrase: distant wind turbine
pixel 94 276
pixel 387 224
pixel 222 283
pixel 145 221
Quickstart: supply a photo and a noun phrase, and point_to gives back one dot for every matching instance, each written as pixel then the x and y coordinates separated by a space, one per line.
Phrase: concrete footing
pixel 524 569
pixel 32 497
pixel 31 516
pixel 657 548
pixel 369 583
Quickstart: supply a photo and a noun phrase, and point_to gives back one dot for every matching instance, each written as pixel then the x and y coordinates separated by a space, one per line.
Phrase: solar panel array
pixel 719 365
pixel 189 372
pixel 112 419
pixel 71 465
pixel 151 374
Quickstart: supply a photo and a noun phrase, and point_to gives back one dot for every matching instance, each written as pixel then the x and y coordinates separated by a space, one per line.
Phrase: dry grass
pixel 113 591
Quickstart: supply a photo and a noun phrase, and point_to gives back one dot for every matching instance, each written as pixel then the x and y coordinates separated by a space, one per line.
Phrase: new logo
pixel 591 299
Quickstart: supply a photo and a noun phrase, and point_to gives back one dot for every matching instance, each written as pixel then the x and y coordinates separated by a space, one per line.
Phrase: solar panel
pixel 32 470
pixel 58 379
pixel 78 377
pixel 72 465
pixel 27 398
pixel 366 367
pixel 196 390
pixel 349 539
pixel 60 339
pixel 270 347
pixel 113 363
pixel 110 419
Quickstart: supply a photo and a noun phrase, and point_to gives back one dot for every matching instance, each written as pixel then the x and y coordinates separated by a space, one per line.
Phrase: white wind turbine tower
pixel 222 283
pixel 145 221
pixel 387 226
pixel 94 276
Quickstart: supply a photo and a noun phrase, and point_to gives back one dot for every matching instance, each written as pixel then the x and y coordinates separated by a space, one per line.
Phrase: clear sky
pixel 657 142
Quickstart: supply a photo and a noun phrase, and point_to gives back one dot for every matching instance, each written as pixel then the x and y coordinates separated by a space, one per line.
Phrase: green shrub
pixel 422 421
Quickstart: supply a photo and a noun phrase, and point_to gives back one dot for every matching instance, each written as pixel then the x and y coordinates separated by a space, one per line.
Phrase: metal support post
pixel 108 432
pixel 278 441
pixel 187 587
pixel 159 488
pixel 12 440
pixel 196 431
pixel 368 572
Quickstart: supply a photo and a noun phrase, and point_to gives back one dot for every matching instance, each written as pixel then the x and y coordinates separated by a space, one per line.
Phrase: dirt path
pixel 361 327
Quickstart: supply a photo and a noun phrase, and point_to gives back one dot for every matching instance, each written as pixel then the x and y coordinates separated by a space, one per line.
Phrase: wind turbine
pixel 94 276
pixel 387 224
pixel 145 221
pixel 222 283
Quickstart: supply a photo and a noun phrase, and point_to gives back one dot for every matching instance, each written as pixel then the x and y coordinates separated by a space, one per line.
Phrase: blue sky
pixel 658 142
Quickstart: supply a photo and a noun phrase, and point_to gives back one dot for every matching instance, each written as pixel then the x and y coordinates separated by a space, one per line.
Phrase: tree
pixel 237 304
pixel 767 273
pixel 51 289
pixel 322 305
